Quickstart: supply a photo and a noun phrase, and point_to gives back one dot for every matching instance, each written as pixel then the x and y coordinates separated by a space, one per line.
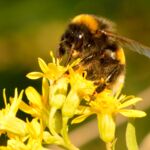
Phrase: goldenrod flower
pixel 33 140
pixel 80 89
pixel 107 106
pixel 80 84
pixel 52 71
pixel 38 103
pixel 9 123
pixel 65 93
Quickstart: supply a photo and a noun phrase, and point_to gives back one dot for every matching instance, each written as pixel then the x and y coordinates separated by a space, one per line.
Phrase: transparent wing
pixel 130 44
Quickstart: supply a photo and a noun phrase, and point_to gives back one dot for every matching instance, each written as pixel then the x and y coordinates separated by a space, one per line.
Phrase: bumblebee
pixel 94 41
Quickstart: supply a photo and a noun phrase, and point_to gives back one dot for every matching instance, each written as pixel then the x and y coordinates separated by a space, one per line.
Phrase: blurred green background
pixel 31 28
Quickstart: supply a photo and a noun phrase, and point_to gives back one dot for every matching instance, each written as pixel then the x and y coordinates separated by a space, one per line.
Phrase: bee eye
pixel 79 42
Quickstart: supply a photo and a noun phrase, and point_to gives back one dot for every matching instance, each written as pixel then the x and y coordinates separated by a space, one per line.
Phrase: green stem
pixel 51 116
pixel 64 140
pixel 109 146
pixel 59 139
pixel 64 133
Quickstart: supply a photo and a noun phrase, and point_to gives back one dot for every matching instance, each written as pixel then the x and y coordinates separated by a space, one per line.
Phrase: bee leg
pixel 100 88
pixel 101 84
pixel 116 78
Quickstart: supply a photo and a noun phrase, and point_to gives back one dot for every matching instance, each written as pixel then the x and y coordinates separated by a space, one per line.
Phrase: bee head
pixel 81 38
pixel 76 39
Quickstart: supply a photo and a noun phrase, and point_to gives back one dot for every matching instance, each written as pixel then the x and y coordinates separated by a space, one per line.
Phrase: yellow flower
pixel 105 102
pixel 80 84
pixel 9 123
pixel 52 71
pixel 35 129
pixel 80 89
pixel 107 106
pixel 65 93
pixel 33 140
pixel 38 106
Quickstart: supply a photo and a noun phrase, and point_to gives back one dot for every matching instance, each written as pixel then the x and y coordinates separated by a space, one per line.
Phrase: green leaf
pixel 131 137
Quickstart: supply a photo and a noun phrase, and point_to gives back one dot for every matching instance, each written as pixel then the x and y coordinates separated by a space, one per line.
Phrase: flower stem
pixel 64 133
pixel 109 146
pixel 58 138
pixel 51 116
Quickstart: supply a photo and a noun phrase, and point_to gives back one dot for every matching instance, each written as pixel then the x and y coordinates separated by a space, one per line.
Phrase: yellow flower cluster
pixel 63 89
pixel 107 106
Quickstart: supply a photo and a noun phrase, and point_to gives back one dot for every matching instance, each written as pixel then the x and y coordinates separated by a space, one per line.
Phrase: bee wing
pixel 130 44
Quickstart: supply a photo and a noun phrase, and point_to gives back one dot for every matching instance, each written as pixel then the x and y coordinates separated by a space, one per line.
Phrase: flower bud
pixel 71 104
pixel 106 126
pixel 58 93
